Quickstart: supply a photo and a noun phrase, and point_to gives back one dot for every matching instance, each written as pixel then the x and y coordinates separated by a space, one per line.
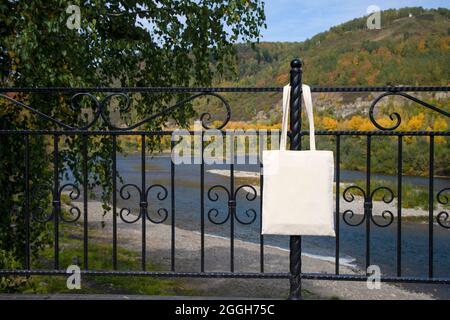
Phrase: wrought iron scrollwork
pixel 249 213
pixel 387 215
pixel 161 213
pixel 75 106
pixel 124 212
pixel 214 196
pixel 100 110
pixel 248 216
pixel 74 194
pixel 206 116
pixel 38 214
pixel 395 116
pixel 349 197
pixel 442 217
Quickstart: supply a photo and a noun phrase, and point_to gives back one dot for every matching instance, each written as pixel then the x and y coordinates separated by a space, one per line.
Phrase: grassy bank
pixel 99 258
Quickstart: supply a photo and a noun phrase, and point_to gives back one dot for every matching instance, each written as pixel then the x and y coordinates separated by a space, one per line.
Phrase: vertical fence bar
pixel 261 182
pixel 430 208
pixel 368 201
pixel 399 204
pixel 232 209
pixel 143 204
pixel 27 202
pixel 295 243
pixel 114 199
pixel 85 202
pixel 172 199
pixel 202 206
pixel 338 178
pixel 56 204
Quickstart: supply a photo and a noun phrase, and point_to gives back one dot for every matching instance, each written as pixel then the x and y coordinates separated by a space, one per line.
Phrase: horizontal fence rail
pixel 232 193
pixel 225 89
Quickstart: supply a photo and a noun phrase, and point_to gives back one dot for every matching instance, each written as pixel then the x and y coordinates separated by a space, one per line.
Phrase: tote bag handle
pixel 306 93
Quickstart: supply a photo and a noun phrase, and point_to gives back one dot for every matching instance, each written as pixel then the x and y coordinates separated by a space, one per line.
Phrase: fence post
pixel 295 256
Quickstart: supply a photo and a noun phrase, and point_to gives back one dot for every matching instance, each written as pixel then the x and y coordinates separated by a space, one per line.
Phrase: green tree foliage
pixel 119 43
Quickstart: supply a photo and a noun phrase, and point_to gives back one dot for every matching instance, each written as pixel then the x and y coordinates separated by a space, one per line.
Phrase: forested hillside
pixel 411 48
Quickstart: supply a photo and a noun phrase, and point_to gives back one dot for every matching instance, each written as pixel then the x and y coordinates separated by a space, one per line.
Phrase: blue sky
pixel 297 20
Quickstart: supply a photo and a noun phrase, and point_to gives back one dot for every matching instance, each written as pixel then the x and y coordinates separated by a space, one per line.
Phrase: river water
pixel 352 239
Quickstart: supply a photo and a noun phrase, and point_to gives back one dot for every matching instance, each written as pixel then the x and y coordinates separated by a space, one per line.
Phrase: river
pixel 352 239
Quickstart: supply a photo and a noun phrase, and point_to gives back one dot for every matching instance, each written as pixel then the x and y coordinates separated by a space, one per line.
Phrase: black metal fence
pixel 232 217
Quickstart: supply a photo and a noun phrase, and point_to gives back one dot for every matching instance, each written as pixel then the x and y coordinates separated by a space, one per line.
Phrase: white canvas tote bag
pixel 298 185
